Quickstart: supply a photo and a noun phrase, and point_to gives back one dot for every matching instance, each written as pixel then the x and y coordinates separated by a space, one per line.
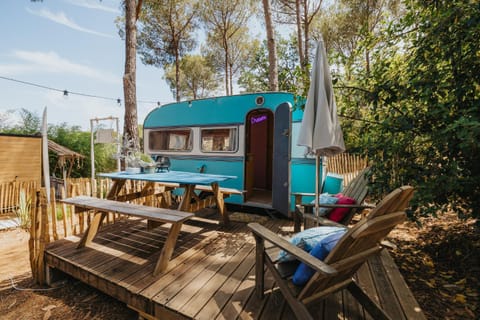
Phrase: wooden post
pixel 39 236
pixel 32 241
pixel 53 208
pixel 64 214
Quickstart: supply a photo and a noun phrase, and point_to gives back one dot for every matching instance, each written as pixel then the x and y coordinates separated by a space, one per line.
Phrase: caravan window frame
pixel 188 143
pixel 233 138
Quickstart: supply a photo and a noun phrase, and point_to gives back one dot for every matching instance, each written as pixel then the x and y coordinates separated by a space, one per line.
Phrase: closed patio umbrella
pixel 320 129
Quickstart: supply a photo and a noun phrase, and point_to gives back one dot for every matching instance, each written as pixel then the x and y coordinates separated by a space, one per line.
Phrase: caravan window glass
pixel 170 140
pixel 219 139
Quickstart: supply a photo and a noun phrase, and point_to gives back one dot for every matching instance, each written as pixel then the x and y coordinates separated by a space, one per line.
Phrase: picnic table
pixel 188 181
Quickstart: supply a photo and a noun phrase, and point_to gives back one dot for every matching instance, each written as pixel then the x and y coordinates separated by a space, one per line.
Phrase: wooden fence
pixel 10 194
pixel 346 164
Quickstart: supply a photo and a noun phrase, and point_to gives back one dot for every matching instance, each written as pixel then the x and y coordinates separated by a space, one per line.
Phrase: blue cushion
pixel 308 239
pixel 320 251
pixel 325 198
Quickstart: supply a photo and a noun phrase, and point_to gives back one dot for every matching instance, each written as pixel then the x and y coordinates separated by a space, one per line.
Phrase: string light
pixel 66 92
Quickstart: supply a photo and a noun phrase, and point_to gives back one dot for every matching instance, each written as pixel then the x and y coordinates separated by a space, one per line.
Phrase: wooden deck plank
pixel 202 296
pixel 212 286
pixel 239 298
pixel 405 297
pixel 211 274
pixel 385 290
pixel 142 280
pixel 255 306
pixel 187 286
pixel 170 284
pixel 219 300
pixel 365 281
pixel 274 308
pixel 352 310
pixel 333 306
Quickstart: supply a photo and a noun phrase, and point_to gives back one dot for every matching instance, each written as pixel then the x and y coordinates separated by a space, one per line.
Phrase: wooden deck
pixel 211 274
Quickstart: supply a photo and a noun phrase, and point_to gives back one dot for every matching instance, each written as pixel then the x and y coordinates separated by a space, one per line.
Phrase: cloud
pixel 51 62
pixel 94 4
pixel 61 18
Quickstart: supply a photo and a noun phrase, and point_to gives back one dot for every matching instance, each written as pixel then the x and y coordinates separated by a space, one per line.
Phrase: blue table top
pixel 180 177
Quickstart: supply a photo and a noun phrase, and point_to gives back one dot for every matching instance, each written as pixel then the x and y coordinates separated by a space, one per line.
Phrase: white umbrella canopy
pixel 320 129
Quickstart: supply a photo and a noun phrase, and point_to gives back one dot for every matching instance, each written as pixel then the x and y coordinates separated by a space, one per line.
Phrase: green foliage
pixel 23 211
pixel 79 141
pixel 197 77
pixel 21 121
pixel 291 77
pixel 166 31
pixel 419 104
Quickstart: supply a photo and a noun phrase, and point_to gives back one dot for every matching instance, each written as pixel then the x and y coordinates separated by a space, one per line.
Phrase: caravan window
pixel 170 140
pixel 219 140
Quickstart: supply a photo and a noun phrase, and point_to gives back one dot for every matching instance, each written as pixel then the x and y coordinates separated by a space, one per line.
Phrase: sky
pixel 70 45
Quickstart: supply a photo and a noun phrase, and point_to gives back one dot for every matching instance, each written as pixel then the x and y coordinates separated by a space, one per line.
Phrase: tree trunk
pixel 130 128
pixel 306 33
pixel 272 48
pixel 177 74
pixel 231 78
pixel 299 35
pixel 227 78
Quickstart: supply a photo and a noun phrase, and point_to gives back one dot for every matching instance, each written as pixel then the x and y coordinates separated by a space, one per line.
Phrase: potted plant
pixel 135 161
pixel 147 164
pixel 138 162
pixel 132 162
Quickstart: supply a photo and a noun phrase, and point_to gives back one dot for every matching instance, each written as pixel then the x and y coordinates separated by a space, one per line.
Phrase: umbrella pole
pixel 317 167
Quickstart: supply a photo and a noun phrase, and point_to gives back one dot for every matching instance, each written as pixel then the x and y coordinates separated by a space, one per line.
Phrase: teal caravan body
pixel 251 136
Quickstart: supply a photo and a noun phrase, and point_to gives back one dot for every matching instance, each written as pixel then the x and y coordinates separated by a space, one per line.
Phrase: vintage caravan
pixel 250 136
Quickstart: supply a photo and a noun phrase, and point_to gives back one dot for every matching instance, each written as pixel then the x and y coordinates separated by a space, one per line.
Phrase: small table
pixel 182 179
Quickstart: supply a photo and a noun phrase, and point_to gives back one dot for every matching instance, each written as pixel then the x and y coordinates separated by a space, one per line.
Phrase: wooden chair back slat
pixel 358 190
pixel 365 235
pixel 395 201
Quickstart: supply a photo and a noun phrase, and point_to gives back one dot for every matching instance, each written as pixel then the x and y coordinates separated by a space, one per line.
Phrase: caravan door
pixel 281 159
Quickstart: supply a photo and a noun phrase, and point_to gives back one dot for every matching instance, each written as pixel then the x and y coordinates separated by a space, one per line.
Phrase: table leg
pixel 168 248
pixel 115 189
pixel 187 197
pixel 91 230
pixel 220 203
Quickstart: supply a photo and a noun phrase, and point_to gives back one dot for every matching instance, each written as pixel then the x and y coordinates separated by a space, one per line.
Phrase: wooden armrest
pixel 306 194
pixel 333 206
pixel 298 253
pixel 323 221
pixel 388 244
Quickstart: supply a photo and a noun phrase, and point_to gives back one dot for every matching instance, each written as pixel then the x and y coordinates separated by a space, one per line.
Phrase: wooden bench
pixel 200 202
pixel 162 215
pixel 225 191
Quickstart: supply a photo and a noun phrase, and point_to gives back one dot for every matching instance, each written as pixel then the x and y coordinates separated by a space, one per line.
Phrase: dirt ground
pixel 440 262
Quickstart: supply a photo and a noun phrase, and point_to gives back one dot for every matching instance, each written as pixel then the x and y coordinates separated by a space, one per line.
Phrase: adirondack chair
pixel 336 271
pixel 357 189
